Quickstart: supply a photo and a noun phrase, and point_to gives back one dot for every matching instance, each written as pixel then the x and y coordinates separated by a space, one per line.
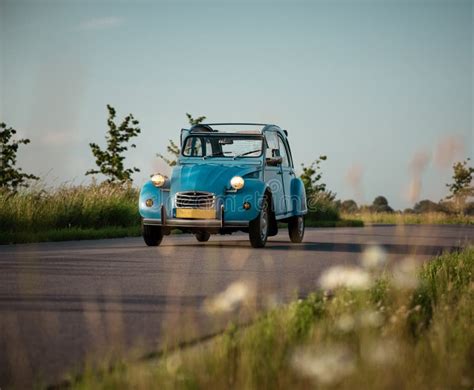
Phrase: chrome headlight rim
pixel 237 182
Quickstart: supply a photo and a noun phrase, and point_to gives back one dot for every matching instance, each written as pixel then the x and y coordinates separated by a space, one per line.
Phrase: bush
pixel 322 207
pixel 380 205
pixel 349 206
pixel 428 206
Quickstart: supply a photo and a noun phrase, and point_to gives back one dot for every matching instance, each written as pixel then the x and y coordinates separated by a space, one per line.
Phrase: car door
pixel 287 171
pixel 273 174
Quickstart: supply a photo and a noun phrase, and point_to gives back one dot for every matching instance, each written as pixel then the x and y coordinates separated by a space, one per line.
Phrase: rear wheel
pixel 296 229
pixel 258 228
pixel 152 235
pixel 202 236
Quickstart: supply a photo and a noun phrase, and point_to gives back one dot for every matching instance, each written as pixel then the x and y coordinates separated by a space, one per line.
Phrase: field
pixel 368 327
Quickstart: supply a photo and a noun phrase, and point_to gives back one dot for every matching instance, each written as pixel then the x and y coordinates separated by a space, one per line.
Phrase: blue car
pixel 227 181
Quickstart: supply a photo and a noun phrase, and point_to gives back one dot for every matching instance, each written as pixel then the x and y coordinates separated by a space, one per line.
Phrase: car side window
pixel 193 147
pixel 272 144
pixel 283 153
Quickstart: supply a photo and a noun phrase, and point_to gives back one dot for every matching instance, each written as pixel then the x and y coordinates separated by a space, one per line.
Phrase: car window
pixel 193 147
pixel 227 146
pixel 284 153
pixel 272 144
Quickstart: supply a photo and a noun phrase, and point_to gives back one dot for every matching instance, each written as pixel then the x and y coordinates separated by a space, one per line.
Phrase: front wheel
pixel 152 235
pixel 202 236
pixel 258 228
pixel 296 229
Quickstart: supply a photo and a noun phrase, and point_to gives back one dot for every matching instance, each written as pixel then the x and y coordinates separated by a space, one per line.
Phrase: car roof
pixel 211 127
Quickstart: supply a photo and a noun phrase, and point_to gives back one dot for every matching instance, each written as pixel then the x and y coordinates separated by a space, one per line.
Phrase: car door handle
pixel 279 173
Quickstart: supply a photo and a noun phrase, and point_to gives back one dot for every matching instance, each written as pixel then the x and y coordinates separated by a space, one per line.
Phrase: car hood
pixel 207 177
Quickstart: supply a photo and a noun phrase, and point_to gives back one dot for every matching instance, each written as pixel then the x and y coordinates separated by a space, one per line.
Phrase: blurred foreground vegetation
pixel 407 328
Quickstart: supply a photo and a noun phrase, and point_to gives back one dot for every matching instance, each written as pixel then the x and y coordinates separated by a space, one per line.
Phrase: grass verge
pixel 337 223
pixel 405 329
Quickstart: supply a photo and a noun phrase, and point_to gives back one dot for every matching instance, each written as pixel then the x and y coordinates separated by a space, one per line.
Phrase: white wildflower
pixel 374 257
pixel 371 318
pixel 382 352
pixel 326 366
pixel 228 300
pixel 349 277
pixel 405 274
pixel 345 323
pixel 173 363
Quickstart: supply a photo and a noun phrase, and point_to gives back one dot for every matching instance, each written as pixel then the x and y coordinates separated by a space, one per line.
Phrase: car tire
pixel 258 228
pixel 152 235
pixel 202 236
pixel 296 229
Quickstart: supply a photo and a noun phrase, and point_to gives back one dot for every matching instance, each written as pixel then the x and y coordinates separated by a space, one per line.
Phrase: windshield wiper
pixel 218 154
pixel 245 153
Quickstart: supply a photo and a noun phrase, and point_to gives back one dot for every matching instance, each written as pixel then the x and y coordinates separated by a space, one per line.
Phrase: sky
pixel 384 88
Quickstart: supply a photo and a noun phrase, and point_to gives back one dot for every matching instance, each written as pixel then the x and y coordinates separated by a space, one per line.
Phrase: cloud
pixel 417 166
pixel 58 138
pixel 100 23
pixel 449 149
pixel 354 178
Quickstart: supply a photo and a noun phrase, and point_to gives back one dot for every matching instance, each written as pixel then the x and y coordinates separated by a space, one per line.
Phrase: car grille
pixel 195 200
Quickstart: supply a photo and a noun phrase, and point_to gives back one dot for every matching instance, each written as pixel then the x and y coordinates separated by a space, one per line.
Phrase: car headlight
pixel 237 182
pixel 158 180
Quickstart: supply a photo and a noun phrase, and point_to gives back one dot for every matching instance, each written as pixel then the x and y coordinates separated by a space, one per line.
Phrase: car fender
pixel 298 197
pixel 252 193
pixel 157 195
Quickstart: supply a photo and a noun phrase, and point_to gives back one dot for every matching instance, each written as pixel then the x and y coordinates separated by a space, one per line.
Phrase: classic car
pixel 227 181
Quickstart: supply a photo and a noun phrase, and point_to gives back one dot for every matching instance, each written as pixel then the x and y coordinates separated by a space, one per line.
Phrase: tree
pixel 11 177
pixel 461 188
pixel 428 206
pixel 311 177
pixel 110 162
pixel 195 121
pixel 349 206
pixel 173 148
pixel 380 205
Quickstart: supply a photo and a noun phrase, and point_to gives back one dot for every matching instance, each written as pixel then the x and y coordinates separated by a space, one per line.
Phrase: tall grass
pixel 84 207
pixel 399 331
pixel 435 218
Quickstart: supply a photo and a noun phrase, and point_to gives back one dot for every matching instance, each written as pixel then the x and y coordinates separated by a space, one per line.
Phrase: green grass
pixel 403 330
pixel 409 218
pixel 86 207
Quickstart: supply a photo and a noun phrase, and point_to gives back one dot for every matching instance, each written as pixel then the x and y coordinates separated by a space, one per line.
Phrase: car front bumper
pixel 195 223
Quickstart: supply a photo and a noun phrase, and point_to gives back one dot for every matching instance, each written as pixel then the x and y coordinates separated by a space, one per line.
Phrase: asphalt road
pixel 62 304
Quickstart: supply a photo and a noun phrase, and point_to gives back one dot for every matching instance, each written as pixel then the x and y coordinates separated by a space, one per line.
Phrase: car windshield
pixel 230 146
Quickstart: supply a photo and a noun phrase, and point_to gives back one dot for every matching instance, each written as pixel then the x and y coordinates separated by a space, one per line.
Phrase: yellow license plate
pixel 195 213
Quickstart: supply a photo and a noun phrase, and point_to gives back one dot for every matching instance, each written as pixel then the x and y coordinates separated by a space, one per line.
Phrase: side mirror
pixel 274 161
